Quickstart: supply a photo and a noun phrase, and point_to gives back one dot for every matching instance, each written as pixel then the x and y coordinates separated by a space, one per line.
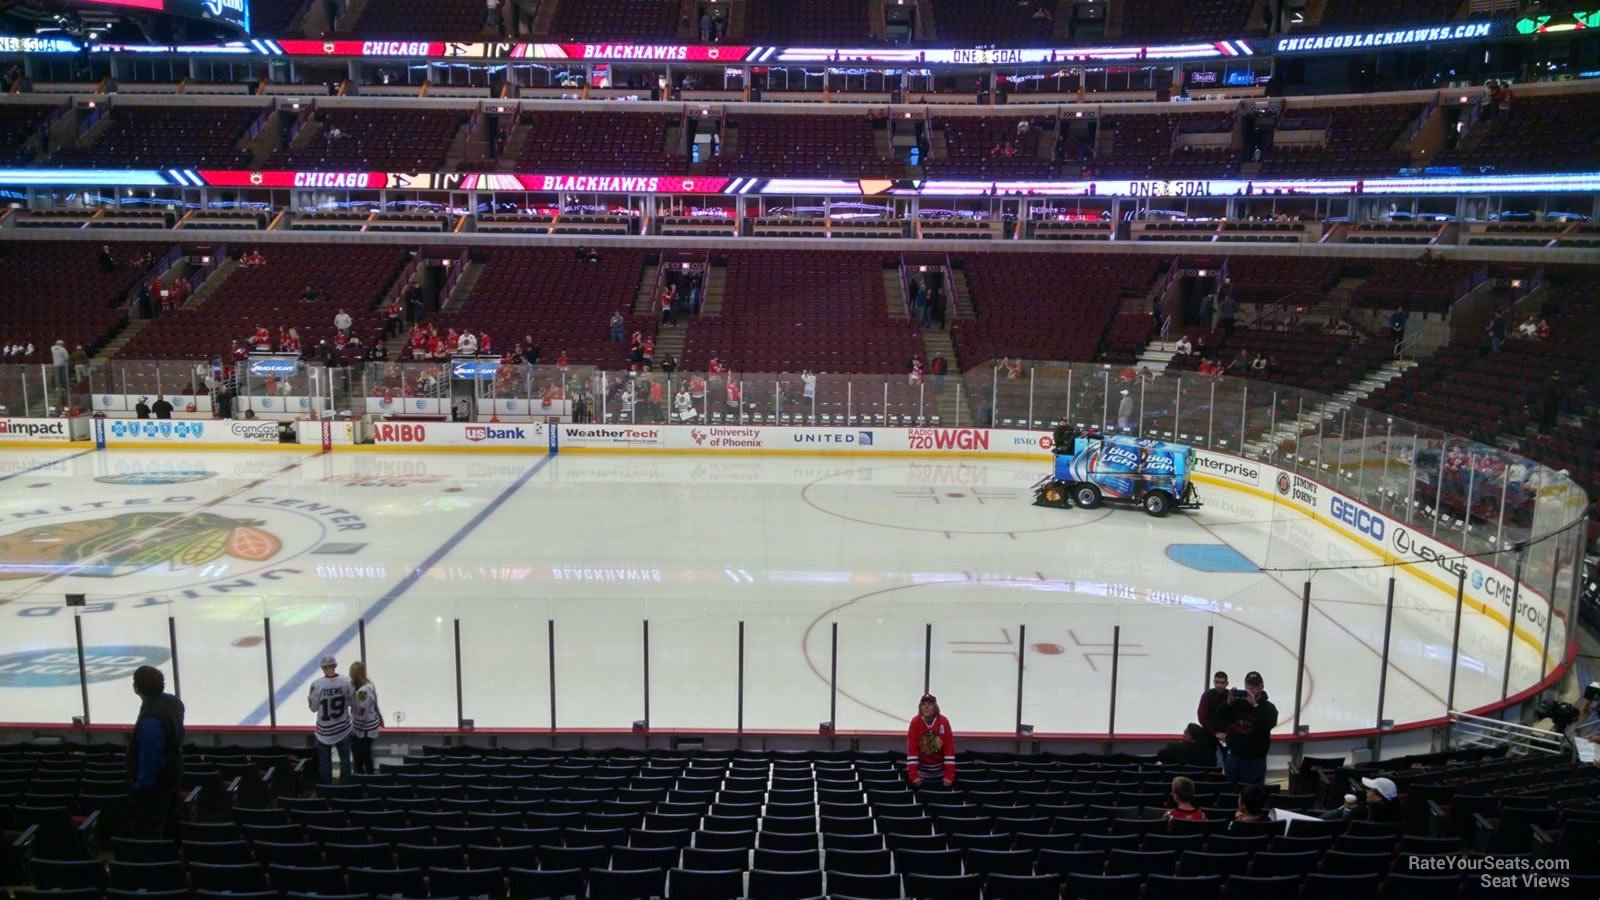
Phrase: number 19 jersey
pixel 331 699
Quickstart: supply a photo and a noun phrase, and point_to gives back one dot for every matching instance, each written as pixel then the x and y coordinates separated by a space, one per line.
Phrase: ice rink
pixel 502 546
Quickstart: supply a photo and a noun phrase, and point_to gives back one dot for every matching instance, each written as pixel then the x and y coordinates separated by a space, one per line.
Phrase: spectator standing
pixel 393 326
pixel 668 293
pixel 1229 311
pixel 59 357
pixel 342 323
pixel 80 363
pixel 141 410
pixel 1398 321
pixel 1497 332
pixel 331 698
pixel 1251 718
pixel 1125 412
pixel 1212 713
pixel 937 367
pixel 616 327
pixel 108 263
pixel 155 759
pixel 930 745
pixel 366 718
pixel 161 408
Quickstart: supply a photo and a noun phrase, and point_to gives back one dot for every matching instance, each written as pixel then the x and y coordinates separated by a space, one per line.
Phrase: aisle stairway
pixel 950 411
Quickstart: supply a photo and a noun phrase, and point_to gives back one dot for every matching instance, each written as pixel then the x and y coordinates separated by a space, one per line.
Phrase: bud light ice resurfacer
pixel 1091 468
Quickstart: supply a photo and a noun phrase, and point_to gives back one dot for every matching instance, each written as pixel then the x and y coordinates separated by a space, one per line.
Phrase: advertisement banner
pixel 1235 469
pixel 35 431
pixel 1486 584
pixel 125 432
pixel 1297 488
pixel 529 437
pixel 941 440
pixel 599 437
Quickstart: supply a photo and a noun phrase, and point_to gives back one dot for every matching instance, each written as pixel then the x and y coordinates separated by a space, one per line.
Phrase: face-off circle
pixel 941 498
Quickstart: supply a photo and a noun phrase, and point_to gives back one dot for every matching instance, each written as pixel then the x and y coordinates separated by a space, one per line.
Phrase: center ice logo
pixel 117 545
pixel 246 544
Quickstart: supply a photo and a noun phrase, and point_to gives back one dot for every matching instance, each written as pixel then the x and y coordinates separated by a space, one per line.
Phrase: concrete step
pixel 219 277
pixel 715 288
pixel 644 300
pixel 115 345
pixel 894 294
pixel 463 287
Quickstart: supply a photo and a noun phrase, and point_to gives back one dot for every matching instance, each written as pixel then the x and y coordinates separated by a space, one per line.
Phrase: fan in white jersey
pixel 366 718
pixel 331 698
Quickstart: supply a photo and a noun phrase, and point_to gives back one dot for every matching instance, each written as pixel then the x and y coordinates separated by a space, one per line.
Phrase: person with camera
pixel 1251 718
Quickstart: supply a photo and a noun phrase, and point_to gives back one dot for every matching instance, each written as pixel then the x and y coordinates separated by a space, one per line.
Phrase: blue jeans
pixel 616 335
pixel 1245 771
pixel 325 761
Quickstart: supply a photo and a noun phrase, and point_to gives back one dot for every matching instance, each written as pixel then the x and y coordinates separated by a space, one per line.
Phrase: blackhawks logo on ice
pixel 116 545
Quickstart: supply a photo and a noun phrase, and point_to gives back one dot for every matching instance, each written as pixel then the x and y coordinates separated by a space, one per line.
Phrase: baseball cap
pixel 1383 786
pixel 328 661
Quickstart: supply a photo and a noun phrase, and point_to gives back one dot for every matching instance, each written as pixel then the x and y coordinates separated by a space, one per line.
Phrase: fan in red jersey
pixel 930 745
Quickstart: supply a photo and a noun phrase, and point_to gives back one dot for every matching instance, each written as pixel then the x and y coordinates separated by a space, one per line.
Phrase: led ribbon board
pixel 626 51
pixel 811 187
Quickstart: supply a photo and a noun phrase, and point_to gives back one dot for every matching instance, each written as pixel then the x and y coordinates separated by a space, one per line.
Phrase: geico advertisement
pixel 1421 552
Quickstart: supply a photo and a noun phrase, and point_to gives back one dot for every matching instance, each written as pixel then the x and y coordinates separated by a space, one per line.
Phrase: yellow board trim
pixel 47 445
pixel 1377 550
